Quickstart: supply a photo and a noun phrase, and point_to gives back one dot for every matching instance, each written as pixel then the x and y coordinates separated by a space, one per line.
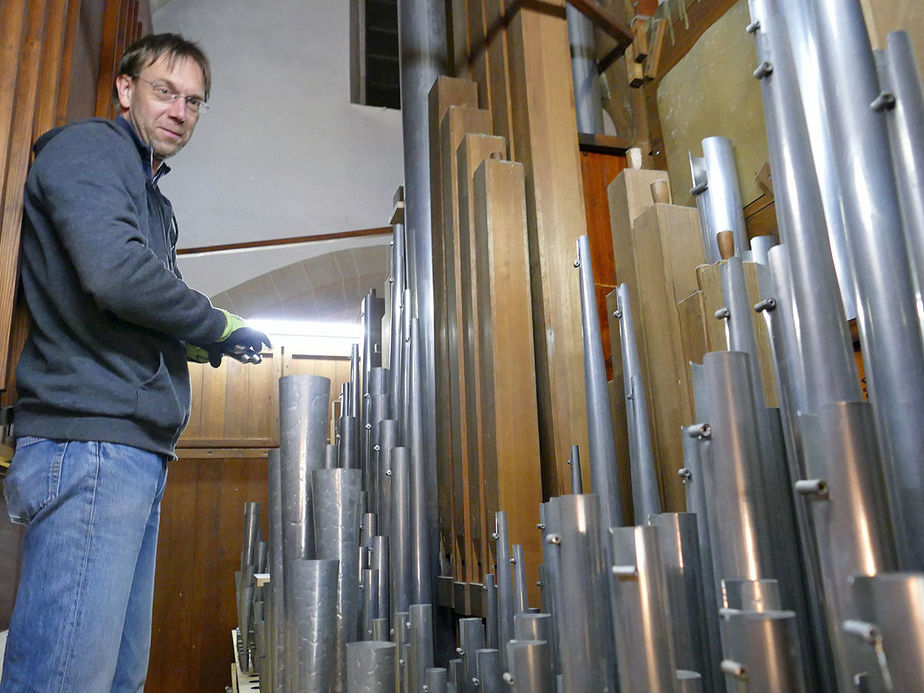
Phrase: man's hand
pixel 238 341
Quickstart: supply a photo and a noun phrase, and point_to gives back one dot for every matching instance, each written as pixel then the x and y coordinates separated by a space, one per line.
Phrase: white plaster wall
pixel 282 152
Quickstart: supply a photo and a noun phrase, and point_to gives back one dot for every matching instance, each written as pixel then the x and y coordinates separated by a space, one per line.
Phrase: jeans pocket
pixel 34 478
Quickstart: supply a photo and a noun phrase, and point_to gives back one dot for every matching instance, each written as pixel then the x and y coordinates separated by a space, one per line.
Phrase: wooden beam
pixel 107 57
pixel 509 408
pixel 473 150
pixel 67 59
pixel 606 19
pixel 545 131
pixel 446 92
pixel 293 240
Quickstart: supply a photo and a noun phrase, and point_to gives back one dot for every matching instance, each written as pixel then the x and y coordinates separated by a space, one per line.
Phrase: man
pixel 103 384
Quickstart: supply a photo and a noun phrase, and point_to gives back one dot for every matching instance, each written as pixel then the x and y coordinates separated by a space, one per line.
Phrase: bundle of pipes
pixel 349 596
pixel 249 593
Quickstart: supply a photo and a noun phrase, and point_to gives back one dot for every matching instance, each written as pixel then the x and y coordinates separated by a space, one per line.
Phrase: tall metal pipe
pixel 902 101
pixel 400 529
pixel 739 326
pixel 849 511
pixel 699 190
pixel 888 322
pixel 303 401
pixel 371 315
pixel 487 666
pixel 277 604
pixel 799 38
pixel 421 619
pixel 251 532
pixel 396 326
pixel 424 513
pixel 894 602
pixel 379 562
pixel 471 639
pixel 336 531
pixel 490 612
pixel 577 482
pixel 436 680
pixel 348 443
pixel 645 498
pixel 505 601
pixel 528 626
pixel 355 382
pixel 644 643
pixel 529 670
pixel 763 652
pixel 369 586
pixel 311 608
pixel 520 601
pixel 829 366
pixel 371 667
pixel 681 563
pixel 737 511
pixel 423 48
pixel 585 636
pixel 386 437
pixel 588 103
pixel 723 191
pixel 604 480
pixel 550 524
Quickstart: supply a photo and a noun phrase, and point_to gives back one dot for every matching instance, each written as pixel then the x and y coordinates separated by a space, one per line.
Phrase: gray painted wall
pixel 282 152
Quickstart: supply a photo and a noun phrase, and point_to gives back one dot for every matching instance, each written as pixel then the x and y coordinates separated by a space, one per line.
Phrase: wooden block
pixel 656 43
pixel 693 334
pixel 635 72
pixel 659 255
pixel 509 407
pixel 498 79
pixel 639 29
pixel 472 151
pixel 545 132
pixel 457 121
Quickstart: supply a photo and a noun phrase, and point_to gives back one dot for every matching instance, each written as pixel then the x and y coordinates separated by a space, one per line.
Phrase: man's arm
pixel 86 182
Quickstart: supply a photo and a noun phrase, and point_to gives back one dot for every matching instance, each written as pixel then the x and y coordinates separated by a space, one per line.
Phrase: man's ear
pixel 124 85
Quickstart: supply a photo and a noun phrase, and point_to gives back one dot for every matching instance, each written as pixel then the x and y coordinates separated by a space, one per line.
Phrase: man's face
pixel 165 125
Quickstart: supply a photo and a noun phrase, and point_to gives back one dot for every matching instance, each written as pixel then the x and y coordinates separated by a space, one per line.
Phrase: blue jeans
pixel 82 620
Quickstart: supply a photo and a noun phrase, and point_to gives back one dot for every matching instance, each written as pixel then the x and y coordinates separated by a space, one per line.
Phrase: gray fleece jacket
pixel 106 356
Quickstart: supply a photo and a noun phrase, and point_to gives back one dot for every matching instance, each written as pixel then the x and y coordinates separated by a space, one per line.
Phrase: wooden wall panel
pixel 545 134
pixel 198 551
pixel 14 166
pixel 510 431
pixel 446 92
pixel 472 151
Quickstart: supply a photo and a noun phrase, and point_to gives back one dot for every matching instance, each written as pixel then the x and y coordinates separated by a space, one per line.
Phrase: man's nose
pixel 178 109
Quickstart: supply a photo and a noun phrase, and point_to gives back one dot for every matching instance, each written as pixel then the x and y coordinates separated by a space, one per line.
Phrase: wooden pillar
pixel 446 92
pixel 472 151
pixel 509 408
pixel 544 130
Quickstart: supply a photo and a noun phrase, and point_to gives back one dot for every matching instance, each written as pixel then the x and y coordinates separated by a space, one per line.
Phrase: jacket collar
pixel 145 151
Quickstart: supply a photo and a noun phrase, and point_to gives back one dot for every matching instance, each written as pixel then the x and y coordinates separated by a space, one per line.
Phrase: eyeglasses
pixel 162 93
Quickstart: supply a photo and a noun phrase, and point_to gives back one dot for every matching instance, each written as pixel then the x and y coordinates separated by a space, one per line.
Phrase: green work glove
pixel 238 341
pixel 196 354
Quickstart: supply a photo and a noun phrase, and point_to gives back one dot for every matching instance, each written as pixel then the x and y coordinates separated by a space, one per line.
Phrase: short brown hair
pixel 151 48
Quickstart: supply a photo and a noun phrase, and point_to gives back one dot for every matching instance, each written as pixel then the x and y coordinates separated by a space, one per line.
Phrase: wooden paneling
pixel 14 160
pixel 472 151
pixel 503 342
pixel 198 551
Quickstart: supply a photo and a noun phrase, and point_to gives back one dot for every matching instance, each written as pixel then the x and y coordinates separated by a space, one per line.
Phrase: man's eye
pixel 163 91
